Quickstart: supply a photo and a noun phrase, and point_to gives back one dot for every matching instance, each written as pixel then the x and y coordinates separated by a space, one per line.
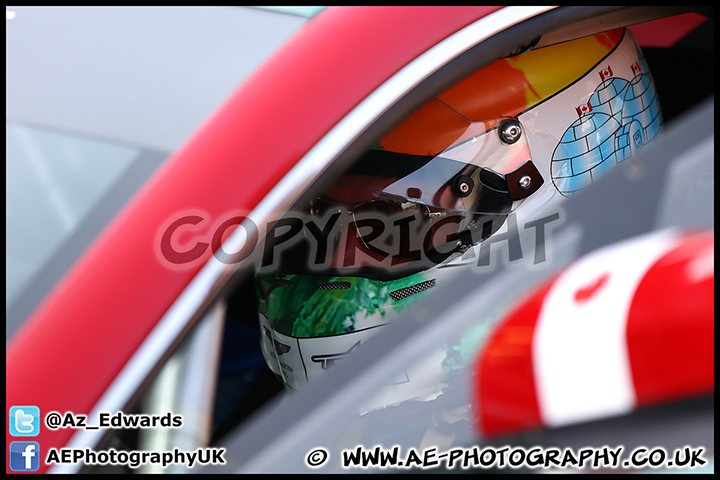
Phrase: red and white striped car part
pixel 626 326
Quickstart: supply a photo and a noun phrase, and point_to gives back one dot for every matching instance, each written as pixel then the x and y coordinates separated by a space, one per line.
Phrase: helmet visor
pixel 468 177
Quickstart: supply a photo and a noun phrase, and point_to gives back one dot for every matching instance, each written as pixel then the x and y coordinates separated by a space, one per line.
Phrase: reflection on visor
pixel 402 232
pixel 436 182
pixel 470 176
pixel 369 221
pixel 393 211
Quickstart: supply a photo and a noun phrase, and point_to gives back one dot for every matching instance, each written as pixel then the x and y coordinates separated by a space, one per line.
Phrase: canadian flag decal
pixel 636 68
pixel 583 109
pixel 606 73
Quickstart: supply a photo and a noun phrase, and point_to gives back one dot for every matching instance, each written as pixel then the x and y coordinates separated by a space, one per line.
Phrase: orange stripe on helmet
pixel 512 85
pixel 428 131
pixel 504 88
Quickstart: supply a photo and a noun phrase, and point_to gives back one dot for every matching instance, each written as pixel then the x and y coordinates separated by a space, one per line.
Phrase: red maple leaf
pixel 583 294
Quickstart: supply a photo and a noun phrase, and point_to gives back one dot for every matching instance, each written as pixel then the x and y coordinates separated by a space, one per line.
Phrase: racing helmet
pixel 514 136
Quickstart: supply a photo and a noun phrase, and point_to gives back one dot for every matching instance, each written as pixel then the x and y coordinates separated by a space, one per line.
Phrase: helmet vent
pixel 334 285
pixel 403 293
pixel 283 283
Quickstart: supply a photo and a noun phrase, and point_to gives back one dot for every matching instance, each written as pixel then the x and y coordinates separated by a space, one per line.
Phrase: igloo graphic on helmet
pixel 619 119
pixel 516 135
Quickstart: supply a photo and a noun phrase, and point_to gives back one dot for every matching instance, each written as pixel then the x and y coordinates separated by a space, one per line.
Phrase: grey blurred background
pixel 96 99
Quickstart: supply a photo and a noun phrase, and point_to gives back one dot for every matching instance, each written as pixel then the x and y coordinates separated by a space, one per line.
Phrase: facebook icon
pixel 24 456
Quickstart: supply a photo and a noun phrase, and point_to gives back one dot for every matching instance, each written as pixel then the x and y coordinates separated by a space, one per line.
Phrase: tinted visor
pixel 467 177
pixel 470 187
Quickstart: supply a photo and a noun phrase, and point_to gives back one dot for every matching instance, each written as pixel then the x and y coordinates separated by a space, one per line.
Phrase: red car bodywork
pixel 94 320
